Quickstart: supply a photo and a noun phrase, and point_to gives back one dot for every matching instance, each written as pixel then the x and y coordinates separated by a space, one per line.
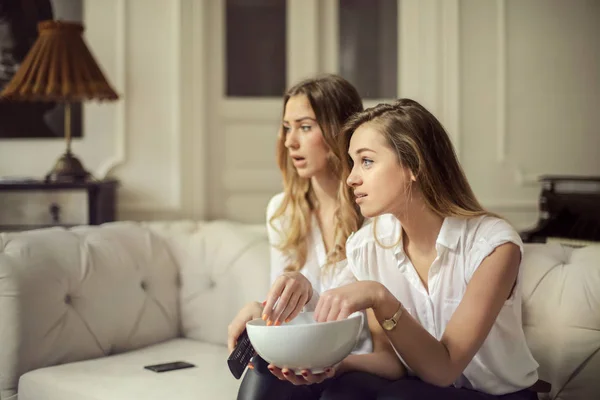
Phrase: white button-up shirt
pixel 321 277
pixel 504 363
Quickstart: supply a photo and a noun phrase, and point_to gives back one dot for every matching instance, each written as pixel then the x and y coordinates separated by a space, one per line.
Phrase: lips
pixel 360 195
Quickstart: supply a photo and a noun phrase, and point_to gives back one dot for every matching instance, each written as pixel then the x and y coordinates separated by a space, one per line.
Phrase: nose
pixel 291 139
pixel 353 179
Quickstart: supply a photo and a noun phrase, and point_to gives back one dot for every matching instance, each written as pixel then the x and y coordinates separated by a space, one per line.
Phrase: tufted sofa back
pixel 561 317
pixel 88 292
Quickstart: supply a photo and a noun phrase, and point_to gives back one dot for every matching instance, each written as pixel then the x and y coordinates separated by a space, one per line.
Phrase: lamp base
pixel 68 168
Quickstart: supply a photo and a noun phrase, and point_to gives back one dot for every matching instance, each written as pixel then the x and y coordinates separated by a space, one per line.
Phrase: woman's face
pixel 380 183
pixel 304 138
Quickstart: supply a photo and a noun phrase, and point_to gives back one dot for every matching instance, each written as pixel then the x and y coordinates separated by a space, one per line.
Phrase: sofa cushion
pixel 222 265
pixel 123 377
pixel 83 293
pixel 561 316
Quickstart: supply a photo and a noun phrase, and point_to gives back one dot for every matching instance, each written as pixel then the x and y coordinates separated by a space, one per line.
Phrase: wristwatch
pixel 389 324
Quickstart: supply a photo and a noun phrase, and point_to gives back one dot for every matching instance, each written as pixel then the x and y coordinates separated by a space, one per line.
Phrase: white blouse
pixel 504 363
pixel 314 270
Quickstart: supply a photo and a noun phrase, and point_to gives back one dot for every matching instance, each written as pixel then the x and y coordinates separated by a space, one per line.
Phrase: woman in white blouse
pixel 308 245
pixel 440 273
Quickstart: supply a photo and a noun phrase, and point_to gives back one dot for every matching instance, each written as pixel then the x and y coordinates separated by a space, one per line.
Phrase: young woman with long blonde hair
pixel 308 237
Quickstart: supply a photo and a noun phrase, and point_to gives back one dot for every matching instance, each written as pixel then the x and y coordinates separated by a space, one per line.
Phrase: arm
pixel 383 361
pixel 290 291
pixel 441 362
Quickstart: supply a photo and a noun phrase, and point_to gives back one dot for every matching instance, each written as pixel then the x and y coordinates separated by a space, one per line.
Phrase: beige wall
pixel 515 81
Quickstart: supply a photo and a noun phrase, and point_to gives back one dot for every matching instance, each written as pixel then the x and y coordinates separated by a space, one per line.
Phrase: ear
pixel 412 177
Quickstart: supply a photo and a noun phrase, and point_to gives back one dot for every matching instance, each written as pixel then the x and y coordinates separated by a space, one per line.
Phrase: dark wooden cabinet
pixel 33 204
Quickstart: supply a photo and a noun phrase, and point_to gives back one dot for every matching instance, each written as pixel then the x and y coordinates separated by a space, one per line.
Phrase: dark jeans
pixel 259 383
pixel 411 388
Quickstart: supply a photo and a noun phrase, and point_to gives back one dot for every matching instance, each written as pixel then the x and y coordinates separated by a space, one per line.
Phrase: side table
pixel 33 204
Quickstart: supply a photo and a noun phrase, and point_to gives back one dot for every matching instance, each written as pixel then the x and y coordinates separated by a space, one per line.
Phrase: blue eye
pixel 366 162
pixel 305 128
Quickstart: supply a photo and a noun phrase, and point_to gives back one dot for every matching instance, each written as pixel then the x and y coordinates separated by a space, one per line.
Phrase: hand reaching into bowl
pixel 337 304
pixel 291 291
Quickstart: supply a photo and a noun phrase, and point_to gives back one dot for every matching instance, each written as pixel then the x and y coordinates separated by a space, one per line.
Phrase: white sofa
pixel 82 311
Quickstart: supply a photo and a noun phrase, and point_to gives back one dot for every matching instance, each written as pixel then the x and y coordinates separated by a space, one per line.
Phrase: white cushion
pixel 561 316
pixel 123 377
pixel 223 265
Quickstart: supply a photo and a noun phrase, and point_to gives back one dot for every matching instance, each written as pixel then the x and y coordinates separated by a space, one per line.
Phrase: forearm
pixel 383 364
pixel 426 356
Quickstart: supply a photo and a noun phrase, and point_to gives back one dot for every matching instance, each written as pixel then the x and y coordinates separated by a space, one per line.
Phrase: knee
pixel 256 385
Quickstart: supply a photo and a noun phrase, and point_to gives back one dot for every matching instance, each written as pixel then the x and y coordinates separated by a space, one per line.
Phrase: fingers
pixel 234 330
pixel 274 293
pixel 301 302
pixel 291 306
pixel 237 326
pixel 287 292
pixel 277 372
pixel 328 308
pixel 306 377
pixel 334 310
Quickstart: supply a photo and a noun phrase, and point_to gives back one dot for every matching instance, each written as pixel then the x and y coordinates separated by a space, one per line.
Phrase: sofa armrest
pixel 82 293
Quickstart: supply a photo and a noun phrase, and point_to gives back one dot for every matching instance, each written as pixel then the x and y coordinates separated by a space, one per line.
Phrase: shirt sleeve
pixel 491 233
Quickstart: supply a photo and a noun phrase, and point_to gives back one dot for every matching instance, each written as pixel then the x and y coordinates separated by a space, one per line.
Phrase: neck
pixel 325 187
pixel 420 226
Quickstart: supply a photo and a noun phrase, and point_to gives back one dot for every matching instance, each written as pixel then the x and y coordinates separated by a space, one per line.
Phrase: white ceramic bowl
pixel 304 343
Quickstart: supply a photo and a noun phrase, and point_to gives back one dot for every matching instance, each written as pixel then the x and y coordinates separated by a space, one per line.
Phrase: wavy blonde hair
pixel 423 146
pixel 333 100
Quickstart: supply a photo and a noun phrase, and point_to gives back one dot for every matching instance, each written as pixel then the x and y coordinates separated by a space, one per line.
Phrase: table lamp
pixel 60 68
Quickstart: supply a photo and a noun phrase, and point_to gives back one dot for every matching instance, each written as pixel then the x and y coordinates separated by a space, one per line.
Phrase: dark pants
pixel 411 388
pixel 259 383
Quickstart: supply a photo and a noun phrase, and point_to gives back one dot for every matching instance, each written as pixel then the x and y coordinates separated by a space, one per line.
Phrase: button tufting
pixel 212 284
pixel 68 299
pixel 143 285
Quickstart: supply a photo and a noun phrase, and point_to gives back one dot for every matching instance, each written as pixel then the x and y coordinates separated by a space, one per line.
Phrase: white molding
pixel 429 59
pixel 451 70
pixel 178 53
pixel 198 110
pixel 329 26
pixel 119 158
pixel 302 40
pixel 501 133
pixel 409 55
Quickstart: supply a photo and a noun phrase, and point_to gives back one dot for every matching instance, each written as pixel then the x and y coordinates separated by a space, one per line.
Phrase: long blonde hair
pixel 423 146
pixel 333 100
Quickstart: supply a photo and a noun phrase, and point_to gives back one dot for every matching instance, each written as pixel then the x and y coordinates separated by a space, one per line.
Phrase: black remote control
pixel 240 357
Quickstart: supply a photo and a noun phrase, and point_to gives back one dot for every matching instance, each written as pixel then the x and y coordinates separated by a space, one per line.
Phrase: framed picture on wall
pixel 18 32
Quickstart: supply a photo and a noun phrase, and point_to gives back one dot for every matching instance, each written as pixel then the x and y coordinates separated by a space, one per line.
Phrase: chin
pixel 367 213
pixel 305 173
pixel 371 212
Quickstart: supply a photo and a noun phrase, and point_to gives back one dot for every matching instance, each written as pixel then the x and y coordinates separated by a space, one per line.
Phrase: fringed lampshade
pixel 60 68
